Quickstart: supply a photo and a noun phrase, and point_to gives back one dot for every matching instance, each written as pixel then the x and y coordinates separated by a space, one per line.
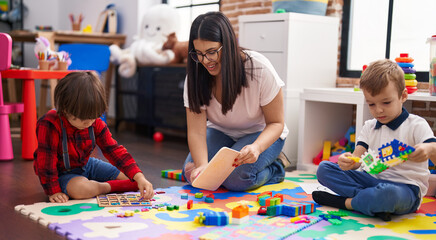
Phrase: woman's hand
pixel 346 163
pixel 248 154
pixel 59 197
pixel 197 171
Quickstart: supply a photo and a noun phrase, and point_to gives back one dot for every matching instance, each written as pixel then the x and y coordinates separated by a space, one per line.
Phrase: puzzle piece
pixel 388 155
pixel 122 200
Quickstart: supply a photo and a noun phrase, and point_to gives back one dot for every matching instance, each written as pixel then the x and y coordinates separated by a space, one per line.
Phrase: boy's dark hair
pixel 379 73
pixel 80 94
pixel 215 27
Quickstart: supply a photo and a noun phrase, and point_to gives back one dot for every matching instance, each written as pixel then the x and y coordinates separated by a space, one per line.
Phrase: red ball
pixel 158 137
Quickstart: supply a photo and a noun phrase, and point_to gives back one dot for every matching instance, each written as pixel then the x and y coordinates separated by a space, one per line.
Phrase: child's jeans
pixel 266 170
pixel 370 195
pixel 95 169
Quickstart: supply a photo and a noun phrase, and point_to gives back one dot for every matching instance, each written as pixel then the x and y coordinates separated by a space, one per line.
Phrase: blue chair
pixel 86 56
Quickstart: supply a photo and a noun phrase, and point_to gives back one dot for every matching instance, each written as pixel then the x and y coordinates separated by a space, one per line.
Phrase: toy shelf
pixel 327 114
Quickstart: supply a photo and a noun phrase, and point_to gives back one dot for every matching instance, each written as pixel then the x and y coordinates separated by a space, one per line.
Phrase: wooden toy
pixel 121 200
pixel 218 169
pixel 213 218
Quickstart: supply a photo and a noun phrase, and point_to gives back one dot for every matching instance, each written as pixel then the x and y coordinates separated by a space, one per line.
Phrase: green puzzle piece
pixel 301 176
pixel 71 210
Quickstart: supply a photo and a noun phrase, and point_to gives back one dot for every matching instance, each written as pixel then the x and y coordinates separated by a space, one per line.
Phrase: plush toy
pixel 157 23
pixel 180 49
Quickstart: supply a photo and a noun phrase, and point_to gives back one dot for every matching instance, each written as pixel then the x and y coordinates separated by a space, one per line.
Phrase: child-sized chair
pixel 6 152
pixel 86 56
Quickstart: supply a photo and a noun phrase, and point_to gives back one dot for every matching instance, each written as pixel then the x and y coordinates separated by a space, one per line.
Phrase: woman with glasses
pixel 233 98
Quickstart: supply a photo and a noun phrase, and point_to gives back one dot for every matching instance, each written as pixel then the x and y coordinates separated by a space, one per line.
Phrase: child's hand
pixel 59 197
pixel 145 187
pixel 422 153
pixel 346 163
pixel 197 171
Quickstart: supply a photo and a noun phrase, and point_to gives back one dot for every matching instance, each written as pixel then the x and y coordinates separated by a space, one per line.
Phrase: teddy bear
pixel 179 48
pixel 157 23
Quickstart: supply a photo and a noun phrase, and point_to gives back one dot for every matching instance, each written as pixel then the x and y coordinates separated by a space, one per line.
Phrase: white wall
pixel 57 15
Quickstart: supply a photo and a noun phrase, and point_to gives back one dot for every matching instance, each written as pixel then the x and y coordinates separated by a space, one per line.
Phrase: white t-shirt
pixel 410 130
pixel 246 117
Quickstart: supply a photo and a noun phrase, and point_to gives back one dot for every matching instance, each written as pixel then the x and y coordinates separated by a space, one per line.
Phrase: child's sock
pixel 325 198
pixel 123 185
pixel 385 216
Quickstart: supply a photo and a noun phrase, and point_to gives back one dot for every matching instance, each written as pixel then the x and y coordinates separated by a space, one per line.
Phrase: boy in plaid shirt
pixel 68 135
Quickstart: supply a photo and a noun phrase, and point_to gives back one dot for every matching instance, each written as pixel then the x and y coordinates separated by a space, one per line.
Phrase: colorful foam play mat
pixel 185 212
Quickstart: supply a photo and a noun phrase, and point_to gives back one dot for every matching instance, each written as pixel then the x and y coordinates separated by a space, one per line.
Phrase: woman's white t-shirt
pixel 246 117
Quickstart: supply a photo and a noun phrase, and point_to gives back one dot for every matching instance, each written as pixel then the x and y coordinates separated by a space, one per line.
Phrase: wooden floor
pixel 20 185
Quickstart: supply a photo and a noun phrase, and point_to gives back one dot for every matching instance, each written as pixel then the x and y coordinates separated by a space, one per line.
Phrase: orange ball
pixel 158 137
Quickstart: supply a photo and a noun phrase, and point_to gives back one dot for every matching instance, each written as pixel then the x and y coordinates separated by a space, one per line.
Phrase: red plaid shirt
pixel 48 156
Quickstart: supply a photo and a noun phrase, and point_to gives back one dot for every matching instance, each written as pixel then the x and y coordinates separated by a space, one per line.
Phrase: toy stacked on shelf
pixel 331 151
pixel 389 155
pixel 406 63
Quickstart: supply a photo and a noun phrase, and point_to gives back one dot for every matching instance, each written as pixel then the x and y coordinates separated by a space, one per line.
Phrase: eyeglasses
pixel 199 57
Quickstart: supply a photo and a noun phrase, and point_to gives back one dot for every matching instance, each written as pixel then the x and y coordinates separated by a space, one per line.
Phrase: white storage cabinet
pixel 303 49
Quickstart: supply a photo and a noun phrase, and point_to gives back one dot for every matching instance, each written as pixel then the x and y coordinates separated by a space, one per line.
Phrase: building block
pixel 198 195
pixel 184 196
pixel 326 151
pixel 240 211
pixel 173 174
pixel 189 204
pixel 209 200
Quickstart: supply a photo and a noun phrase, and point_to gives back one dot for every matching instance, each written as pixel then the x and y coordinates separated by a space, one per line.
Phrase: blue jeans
pixel 95 169
pixel 369 194
pixel 266 170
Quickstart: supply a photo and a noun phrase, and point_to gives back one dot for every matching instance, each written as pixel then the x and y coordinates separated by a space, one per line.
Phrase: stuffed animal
pixel 180 49
pixel 157 23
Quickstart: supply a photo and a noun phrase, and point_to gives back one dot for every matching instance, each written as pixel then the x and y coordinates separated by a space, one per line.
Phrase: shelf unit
pixel 153 97
pixel 327 114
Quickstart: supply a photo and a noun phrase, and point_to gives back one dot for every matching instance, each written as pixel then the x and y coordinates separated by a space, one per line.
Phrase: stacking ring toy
pixel 408 70
pixel 411 83
pixel 404 59
pixel 409 76
pixel 411 90
pixel 401 64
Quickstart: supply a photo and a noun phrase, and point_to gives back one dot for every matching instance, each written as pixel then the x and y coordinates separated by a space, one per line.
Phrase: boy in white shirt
pixel 399 189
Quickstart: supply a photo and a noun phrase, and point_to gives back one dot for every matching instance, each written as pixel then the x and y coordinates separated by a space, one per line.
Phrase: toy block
pixel 271 211
pixel 173 174
pixel 170 208
pixel 326 150
pixel 259 197
pixel 262 201
pixel 240 211
pixel 184 196
pixel 210 195
pixel 239 221
pixel 209 200
pixel 176 207
pixel 190 204
pixel 269 193
pixel 198 195
pixel 216 218
pixel 279 195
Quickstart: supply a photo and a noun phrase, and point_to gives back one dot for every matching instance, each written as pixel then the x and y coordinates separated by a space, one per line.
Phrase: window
pixel 189 10
pixel 376 29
